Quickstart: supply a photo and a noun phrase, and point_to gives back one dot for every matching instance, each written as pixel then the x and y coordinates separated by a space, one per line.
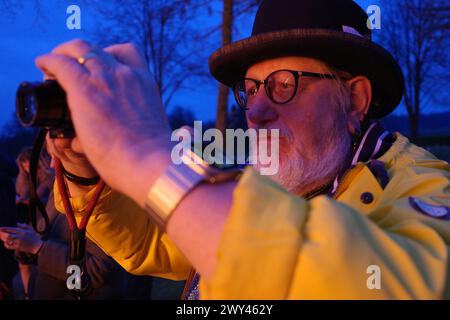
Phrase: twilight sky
pixel 27 33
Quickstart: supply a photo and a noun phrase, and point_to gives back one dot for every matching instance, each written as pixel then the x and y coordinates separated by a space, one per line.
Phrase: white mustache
pixel 285 135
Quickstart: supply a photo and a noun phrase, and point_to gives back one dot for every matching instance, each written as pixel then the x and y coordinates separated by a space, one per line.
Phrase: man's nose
pixel 262 110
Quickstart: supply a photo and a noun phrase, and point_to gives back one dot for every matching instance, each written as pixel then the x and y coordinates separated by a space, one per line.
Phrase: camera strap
pixel 35 202
pixel 77 232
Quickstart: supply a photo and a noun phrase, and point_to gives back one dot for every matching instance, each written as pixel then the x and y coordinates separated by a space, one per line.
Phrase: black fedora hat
pixel 334 31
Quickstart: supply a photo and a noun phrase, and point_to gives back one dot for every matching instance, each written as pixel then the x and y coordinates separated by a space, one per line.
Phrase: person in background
pixel 47 279
pixel 44 260
pixel 45 178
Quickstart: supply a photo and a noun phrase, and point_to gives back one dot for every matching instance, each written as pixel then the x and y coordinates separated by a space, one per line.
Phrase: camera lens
pixel 30 108
pixel 42 104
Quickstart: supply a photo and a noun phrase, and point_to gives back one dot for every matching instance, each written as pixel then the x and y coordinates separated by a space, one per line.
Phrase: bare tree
pixel 9 8
pixel 222 101
pixel 445 14
pixel 166 31
pixel 9 5
pixel 417 34
pixel 231 10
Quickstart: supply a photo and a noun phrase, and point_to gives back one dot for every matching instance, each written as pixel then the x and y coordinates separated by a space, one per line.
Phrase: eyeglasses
pixel 281 86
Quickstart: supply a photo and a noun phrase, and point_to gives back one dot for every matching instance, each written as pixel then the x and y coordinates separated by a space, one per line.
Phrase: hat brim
pixel 348 52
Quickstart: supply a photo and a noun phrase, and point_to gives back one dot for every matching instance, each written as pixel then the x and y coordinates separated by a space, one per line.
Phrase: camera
pixel 44 105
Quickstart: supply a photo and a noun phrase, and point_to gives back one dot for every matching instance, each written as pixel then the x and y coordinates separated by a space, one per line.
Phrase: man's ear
pixel 360 97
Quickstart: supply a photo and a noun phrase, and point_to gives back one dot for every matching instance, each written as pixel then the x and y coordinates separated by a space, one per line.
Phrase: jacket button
pixel 366 197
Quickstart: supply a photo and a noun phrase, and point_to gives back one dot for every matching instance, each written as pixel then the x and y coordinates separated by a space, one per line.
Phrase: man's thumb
pixel 67 71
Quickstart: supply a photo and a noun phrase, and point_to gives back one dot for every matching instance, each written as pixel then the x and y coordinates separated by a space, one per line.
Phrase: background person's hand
pixel 71 156
pixel 73 161
pixel 23 238
pixel 116 110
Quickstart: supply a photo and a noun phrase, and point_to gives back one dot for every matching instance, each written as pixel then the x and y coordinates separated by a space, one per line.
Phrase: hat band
pixel 351 30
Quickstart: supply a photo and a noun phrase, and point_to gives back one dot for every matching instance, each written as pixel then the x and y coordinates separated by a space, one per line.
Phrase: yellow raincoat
pixel 368 243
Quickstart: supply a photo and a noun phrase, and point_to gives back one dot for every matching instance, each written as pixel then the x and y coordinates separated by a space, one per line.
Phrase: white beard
pixel 300 175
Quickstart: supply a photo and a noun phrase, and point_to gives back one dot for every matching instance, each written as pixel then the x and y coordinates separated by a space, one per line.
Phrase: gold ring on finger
pixel 85 57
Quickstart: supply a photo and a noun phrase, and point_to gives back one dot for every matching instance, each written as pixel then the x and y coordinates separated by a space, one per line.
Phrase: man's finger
pixel 74 48
pixel 11 238
pixel 3 235
pixel 61 148
pixel 49 144
pixel 52 149
pixel 127 54
pixel 62 144
pixel 4 230
pixel 11 230
pixel 67 71
pixel 77 48
pixel 76 146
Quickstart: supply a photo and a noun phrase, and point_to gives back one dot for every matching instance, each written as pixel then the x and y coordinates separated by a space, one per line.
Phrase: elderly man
pixel 354 211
